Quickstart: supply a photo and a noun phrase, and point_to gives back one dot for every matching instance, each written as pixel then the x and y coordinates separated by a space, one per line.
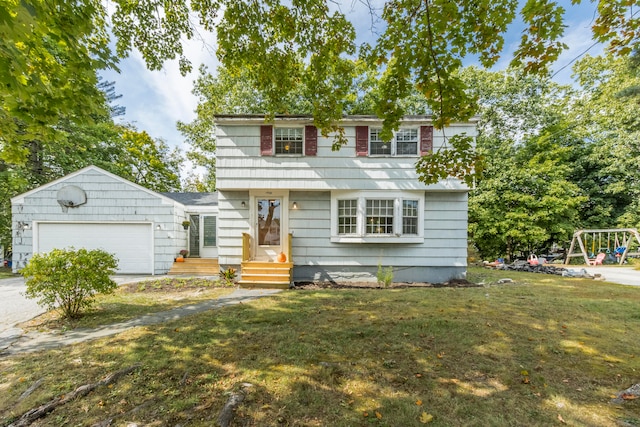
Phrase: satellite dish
pixel 71 196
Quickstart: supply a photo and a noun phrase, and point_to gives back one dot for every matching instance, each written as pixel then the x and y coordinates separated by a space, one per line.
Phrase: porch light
pixel 243 204
pixel 158 227
pixel 295 205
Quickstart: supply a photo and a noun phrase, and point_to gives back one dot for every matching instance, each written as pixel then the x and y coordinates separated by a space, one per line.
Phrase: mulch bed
pixel 456 283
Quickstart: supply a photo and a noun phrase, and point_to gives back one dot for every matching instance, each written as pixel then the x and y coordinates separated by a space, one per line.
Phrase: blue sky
pixel 157 100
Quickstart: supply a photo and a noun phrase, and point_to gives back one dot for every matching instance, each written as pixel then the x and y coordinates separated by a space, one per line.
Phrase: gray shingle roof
pixel 194 199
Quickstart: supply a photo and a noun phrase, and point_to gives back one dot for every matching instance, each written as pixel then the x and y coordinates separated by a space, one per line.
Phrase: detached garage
pixel 95 209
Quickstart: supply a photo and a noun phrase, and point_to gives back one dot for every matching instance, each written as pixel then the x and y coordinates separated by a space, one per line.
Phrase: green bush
pixel 228 275
pixel 384 275
pixel 68 279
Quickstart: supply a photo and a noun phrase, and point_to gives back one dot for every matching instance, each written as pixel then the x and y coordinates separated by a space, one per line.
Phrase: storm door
pixel 194 236
pixel 268 228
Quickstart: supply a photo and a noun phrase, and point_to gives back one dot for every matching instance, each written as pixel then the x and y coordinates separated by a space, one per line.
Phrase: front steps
pixel 196 267
pixel 266 275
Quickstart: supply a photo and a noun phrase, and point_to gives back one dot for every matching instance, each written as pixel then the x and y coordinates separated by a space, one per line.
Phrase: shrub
pixel 228 275
pixel 384 276
pixel 68 279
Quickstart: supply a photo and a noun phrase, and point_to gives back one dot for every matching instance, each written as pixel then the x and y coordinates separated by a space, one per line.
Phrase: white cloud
pixel 156 100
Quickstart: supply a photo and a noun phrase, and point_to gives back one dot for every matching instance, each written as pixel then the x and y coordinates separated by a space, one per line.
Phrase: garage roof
pixel 194 199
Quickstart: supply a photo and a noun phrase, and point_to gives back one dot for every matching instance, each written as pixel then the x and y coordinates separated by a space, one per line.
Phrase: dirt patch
pixel 170 285
pixel 456 283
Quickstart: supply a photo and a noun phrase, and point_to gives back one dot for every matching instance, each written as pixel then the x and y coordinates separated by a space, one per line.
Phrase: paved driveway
pixel 14 307
pixel 622 275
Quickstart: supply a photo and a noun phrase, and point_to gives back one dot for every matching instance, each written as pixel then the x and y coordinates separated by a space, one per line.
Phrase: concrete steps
pixel 266 275
pixel 196 267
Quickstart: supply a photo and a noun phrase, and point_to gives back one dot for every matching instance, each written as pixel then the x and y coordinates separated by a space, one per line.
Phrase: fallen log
pixel 41 411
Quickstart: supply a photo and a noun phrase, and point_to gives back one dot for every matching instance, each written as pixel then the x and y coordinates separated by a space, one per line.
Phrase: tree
pixel 148 161
pixel 284 47
pixel 300 45
pixel 307 45
pixel 607 118
pixel 50 52
pixel 525 200
pixel 68 280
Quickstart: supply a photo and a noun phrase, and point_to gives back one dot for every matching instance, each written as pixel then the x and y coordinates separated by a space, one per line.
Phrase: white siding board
pixel 240 166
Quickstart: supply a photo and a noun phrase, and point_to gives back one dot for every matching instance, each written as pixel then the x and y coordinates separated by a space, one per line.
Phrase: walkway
pixel 35 341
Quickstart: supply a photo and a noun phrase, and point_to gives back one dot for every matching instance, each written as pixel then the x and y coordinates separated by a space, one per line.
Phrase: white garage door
pixel 132 244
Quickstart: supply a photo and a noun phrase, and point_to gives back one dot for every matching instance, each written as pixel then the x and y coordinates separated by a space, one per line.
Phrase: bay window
pixel 377 217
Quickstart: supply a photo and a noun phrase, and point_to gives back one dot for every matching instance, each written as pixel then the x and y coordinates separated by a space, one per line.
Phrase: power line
pixel 574 59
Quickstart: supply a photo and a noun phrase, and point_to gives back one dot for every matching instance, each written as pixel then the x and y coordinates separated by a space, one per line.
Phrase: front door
pixel 194 236
pixel 203 236
pixel 268 228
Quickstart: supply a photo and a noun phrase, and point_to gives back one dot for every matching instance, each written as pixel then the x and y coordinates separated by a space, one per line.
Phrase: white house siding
pixel 442 256
pixel 310 181
pixel 233 220
pixel 240 166
pixel 109 200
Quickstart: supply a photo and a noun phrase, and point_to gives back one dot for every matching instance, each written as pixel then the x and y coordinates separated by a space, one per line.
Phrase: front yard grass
pixel 543 350
pixel 6 273
pixel 134 300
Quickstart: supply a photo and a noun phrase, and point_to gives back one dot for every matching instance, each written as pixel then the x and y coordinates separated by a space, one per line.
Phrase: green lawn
pixel 135 300
pixel 5 273
pixel 541 351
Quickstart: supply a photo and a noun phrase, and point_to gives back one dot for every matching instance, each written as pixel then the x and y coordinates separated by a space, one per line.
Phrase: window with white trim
pixel 410 217
pixel 347 216
pixel 288 140
pixel 377 217
pixel 404 143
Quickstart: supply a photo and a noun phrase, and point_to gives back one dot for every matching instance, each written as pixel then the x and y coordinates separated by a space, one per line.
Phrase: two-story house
pixel 336 215
pixel 288 208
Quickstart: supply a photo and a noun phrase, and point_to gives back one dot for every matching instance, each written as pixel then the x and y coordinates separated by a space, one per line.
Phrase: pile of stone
pixel 543 269
pixel 529 268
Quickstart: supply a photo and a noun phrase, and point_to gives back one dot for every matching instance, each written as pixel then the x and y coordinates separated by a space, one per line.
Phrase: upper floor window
pixel 404 143
pixel 297 141
pixel 288 140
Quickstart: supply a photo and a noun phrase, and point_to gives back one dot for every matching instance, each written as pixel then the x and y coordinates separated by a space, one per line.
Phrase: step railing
pixel 246 247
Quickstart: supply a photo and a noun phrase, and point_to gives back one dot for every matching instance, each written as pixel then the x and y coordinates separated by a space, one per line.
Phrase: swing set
pixel 606 246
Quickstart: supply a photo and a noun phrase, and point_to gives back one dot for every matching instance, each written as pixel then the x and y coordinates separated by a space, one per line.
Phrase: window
pixel 404 143
pixel 209 231
pixel 347 216
pixel 288 140
pixel 376 145
pixel 407 142
pixel 377 217
pixel 410 217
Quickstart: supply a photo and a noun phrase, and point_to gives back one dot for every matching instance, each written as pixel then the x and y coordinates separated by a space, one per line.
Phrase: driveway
pixel 622 275
pixel 14 307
